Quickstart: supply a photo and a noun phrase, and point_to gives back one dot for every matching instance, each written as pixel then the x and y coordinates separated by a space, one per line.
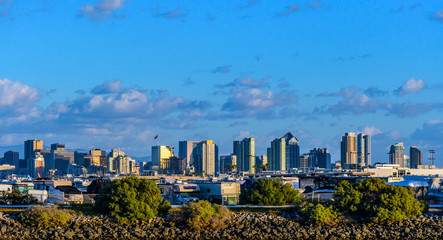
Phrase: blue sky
pixel 115 73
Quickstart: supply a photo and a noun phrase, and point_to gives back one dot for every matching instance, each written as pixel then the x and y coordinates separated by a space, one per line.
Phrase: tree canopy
pixel 269 192
pixel 374 199
pixel 130 199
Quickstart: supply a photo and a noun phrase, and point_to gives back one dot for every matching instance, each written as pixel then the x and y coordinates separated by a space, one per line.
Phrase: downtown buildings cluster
pixel 201 158
pixel 58 161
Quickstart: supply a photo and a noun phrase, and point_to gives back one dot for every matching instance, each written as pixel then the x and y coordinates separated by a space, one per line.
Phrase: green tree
pixel 15 197
pixel 374 199
pixel 318 213
pixel 131 199
pixel 44 217
pixel 269 192
pixel 204 214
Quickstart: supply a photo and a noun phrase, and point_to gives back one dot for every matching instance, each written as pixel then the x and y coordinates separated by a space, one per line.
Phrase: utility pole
pixel 432 156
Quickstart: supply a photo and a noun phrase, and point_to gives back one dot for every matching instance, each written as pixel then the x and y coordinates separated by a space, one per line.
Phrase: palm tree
pixel 267 166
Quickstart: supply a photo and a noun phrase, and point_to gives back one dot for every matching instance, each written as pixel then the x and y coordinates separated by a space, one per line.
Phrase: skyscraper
pixel 277 155
pixel 58 147
pixel 160 157
pixel 415 157
pixel 245 152
pixel 11 158
pixel 185 150
pixel 205 156
pixel 397 154
pixel 321 158
pixel 364 149
pixel 31 146
pixel 349 150
pixel 292 151
pixel 225 161
pixel 36 165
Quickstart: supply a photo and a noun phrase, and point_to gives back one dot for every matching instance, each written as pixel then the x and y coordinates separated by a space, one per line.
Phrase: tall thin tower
pixel 432 156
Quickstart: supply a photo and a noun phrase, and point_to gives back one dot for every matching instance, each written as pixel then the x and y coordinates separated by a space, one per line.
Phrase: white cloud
pixel 371 130
pixel 16 94
pixel 101 10
pixel 411 86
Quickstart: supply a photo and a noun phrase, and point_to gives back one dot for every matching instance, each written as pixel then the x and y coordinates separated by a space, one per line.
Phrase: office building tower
pixel 97 156
pixel 406 161
pixel 320 158
pixel 277 155
pixel 178 165
pixel 228 163
pixel 305 163
pixel 185 150
pixel 11 158
pixel 58 147
pixel 119 163
pixel 160 157
pixel 205 156
pixel 349 150
pixel 79 158
pixel 31 146
pixel 245 152
pixel 415 157
pixel 397 154
pixel 292 151
pixel 36 166
pixel 363 149
pixel 60 159
pixel 264 160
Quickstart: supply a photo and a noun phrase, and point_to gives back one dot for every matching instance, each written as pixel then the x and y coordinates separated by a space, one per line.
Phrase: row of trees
pixel 370 199
pixel 131 199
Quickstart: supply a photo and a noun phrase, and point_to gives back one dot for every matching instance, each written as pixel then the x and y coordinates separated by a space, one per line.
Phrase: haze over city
pixel 117 73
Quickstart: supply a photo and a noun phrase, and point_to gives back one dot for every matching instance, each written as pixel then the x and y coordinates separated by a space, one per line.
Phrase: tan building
pixel 160 157
pixel 349 150
pixel 205 156
pixel 31 146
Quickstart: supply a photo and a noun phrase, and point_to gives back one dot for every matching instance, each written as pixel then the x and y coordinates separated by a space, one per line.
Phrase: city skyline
pixel 116 73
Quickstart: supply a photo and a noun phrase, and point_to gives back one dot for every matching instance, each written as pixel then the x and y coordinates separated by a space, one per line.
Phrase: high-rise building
pixel 245 152
pixel 31 146
pixel 205 156
pixel 363 149
pixel 36 166
pixel 305 163
pixel 320 158
pixel 96 156
pixel 185 150
pixel 277 155
pixel 58 147
pixel 415 157
pixel 406 161
pixel 61 159
pixel 292 151
pixel 397 154
pixel 160 157
pixel 119 163
pixel 11 158
pixel 228 163
pixel 349 150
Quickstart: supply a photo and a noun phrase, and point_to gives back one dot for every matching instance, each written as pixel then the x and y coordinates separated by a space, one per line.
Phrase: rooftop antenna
pixel 432 156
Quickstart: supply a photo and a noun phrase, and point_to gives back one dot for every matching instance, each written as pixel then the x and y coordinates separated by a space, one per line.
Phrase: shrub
pixel 15 197
pixel 269 192
pixel 130 199
pixel 318 213
pixel 44 217
pixel 203 214
pixel 374 199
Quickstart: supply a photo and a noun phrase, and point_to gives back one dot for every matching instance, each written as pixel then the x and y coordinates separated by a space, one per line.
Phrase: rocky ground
pixel 242 226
